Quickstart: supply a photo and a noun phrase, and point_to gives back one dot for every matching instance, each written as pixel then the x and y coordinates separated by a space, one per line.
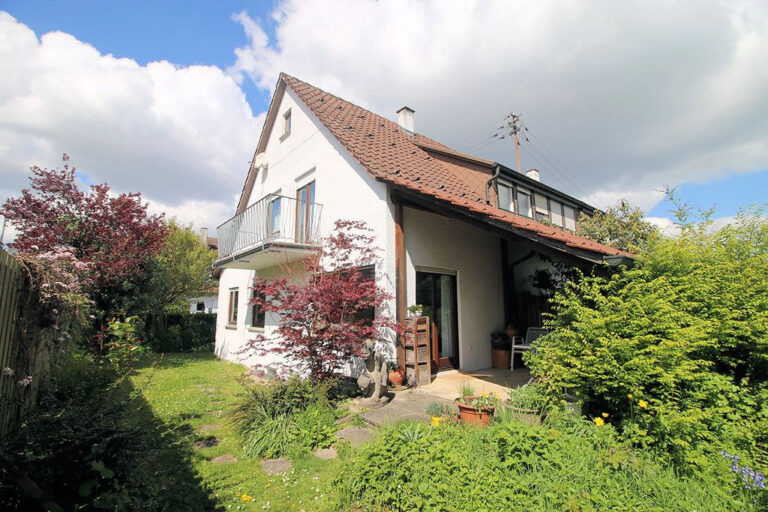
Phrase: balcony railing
pixel 272 219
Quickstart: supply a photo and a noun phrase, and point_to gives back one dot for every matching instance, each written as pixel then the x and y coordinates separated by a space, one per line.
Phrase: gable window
pixel 570 218
pixel 542 212
pixel 234 295
pixel 506 198
pixel 286 124
pixel 556 210
pixel 274 216
pixel 258 315
pixel 524 203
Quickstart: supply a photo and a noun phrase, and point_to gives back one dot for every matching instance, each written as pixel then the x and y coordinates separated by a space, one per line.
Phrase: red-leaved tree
pixel 108 237
pixel 328 311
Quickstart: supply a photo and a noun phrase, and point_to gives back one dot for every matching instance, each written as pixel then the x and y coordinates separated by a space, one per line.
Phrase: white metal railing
pixel 273 218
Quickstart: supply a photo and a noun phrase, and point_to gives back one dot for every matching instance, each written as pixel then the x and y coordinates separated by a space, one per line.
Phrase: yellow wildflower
pixel 642 404
pixel 599 422
pixel 605 415
pixel 630 396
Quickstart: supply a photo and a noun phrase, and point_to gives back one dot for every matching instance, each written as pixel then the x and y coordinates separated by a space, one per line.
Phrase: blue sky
pixel 183 32
pixel 673 95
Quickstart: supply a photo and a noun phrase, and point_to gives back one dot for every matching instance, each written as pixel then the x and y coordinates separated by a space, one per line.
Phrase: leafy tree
pixel 675 349
pixel 622 226
pixel 181 270
pixel 109 238
pixel 326 316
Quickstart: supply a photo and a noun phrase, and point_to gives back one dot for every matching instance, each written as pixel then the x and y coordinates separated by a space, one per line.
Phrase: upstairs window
pixel 556 212
pixel 234 295
pixel 274 216
pixel 542 212
pixel 506 198
pixel 286 124
pixel 570 218
pixel 524 202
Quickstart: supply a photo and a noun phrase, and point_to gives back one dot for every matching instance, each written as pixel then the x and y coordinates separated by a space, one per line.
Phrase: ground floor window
pixel 234 295
pixel 258 315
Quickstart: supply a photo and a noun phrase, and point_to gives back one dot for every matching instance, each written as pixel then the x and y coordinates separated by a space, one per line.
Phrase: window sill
pixel 231 327
pixel 284 136
pixel 256 329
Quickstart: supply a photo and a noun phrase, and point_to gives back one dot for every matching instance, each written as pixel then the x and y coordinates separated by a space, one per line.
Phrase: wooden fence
pixel 11 288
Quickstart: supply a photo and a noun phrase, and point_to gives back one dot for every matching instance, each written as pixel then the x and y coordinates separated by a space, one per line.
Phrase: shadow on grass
pixel 102 450
pixel 174 359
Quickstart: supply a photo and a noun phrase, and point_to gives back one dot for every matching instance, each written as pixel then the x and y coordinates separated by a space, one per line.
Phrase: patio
pixel 410 404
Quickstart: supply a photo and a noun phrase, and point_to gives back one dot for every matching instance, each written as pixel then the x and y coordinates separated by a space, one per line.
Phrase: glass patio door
pixel 305 199
pixel 437 294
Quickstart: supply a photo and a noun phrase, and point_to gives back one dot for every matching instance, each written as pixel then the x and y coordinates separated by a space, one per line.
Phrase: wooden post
pixel 400 292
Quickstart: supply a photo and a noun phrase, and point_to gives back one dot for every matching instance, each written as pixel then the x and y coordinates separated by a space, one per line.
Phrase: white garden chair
pixel 521 345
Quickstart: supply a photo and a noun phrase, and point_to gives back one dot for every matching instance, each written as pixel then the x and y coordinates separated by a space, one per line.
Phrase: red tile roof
pixel 421 164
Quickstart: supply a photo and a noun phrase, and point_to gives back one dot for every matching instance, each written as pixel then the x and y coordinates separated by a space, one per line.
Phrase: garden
pixel 650 391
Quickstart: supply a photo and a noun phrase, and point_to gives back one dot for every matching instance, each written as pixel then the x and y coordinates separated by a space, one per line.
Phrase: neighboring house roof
pixel 413 162
pixel 213 243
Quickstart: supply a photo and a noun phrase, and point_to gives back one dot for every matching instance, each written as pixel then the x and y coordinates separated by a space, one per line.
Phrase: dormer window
pixel 286 124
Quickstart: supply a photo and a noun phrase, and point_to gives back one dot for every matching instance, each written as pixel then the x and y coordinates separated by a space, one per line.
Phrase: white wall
pixel 211 304
pixel 343 188
pixel 438 243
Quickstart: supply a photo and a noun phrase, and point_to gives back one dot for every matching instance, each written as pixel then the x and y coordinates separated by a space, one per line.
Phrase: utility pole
pixel 513 125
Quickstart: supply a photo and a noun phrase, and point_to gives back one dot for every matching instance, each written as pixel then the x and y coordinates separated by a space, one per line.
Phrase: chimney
pixel 204 236
pixel 533 174
pixel 405 119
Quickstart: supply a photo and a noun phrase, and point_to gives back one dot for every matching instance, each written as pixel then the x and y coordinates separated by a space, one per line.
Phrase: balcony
pixel 274 230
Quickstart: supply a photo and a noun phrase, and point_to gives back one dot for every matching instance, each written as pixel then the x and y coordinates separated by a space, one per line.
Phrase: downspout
pixel 490 182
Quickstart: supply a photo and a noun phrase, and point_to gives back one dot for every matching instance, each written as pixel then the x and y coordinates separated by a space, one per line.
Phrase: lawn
pixel 188 391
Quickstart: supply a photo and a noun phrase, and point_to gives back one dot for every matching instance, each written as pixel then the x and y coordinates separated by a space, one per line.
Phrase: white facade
pixel 433 243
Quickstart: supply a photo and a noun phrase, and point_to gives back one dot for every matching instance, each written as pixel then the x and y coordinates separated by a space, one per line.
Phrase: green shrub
pixel 278 416
pixel 185 332
pixel 531 396
pixel 674 349
pixel 511 466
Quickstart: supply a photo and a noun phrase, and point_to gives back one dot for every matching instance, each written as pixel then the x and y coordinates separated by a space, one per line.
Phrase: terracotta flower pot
pixel 396 377
pixel 478 417
pixel 500 359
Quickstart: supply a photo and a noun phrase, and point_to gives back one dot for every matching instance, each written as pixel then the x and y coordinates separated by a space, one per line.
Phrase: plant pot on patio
pixel 472 413
pixel 501 350
pixel 396 376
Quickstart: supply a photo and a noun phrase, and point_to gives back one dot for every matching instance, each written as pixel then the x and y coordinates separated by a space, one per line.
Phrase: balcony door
pixel 305 201
pixel 437 294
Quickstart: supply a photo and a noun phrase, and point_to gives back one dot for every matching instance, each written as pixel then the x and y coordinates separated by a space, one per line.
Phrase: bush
pixel 276 417
pixel 511 466
pixel 184 332
pixel 674 349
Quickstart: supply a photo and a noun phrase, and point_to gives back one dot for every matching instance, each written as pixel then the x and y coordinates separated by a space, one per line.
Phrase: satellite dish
pixel 259 160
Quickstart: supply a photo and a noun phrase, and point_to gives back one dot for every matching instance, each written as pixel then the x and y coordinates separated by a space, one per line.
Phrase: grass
pixel 187 391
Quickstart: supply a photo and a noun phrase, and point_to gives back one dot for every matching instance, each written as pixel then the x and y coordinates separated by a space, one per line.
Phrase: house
pixel 209 302
pixel 467 238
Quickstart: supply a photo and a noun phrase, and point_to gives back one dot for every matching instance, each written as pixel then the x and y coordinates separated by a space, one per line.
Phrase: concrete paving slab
pixel 275 466
pixel 355 435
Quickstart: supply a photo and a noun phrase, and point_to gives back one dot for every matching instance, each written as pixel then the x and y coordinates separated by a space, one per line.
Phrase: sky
pixel 168 98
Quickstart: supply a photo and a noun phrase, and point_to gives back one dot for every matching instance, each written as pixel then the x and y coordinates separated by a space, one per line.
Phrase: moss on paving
pixel 187 391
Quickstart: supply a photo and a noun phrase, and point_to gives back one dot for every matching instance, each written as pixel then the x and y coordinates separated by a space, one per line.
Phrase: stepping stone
pixel 345 419
pixel 206 428
pixel 354 435
pixel 326 453
pixel 223 459
pixel 216 413
pixel 208 442
pixel 275 466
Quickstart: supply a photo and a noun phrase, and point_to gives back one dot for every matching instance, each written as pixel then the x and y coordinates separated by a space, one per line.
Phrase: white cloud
pixel 182 136
pixel 630 96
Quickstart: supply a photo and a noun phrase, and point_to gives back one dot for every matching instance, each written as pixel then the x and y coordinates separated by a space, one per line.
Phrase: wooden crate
pixel 413 355
pixel 418 370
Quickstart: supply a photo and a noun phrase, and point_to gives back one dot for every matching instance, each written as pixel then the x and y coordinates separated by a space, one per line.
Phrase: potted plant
pixel 396 375
pixel 526 403
pixel 435 410
pixel 501 350
pixel 476 410
pixel 415 310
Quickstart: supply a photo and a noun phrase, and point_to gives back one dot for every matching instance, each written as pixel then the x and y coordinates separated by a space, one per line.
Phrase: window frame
pixel 286 125
pixel 512 201
pixel 234 297
pixel 527 193
pixel 256 314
